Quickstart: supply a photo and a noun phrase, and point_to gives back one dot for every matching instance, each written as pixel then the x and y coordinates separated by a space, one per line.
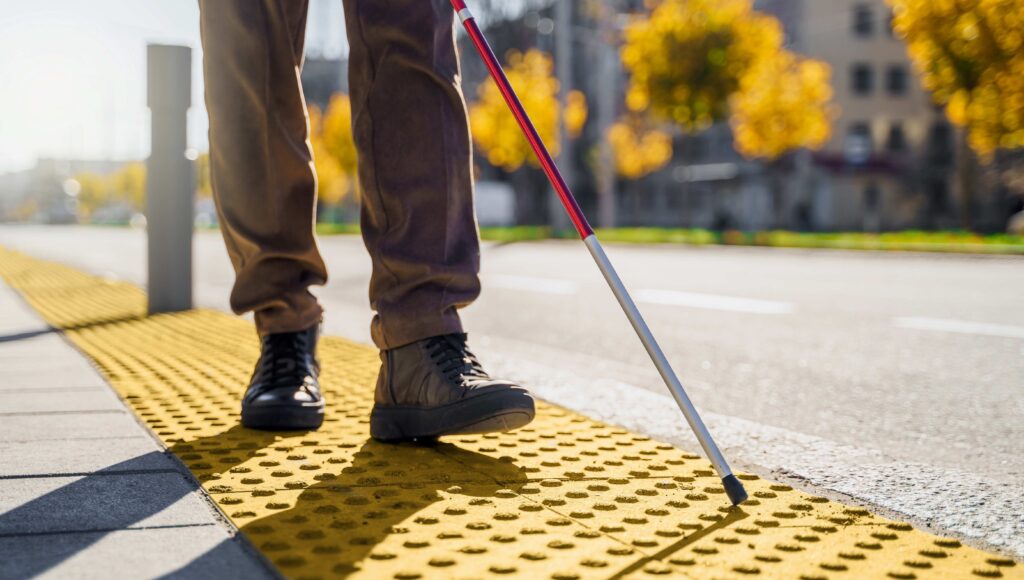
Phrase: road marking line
pixel 530 284
pixel 959 326
pixel 714 302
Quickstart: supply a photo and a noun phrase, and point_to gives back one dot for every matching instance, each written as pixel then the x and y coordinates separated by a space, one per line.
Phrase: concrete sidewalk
pixel 85 491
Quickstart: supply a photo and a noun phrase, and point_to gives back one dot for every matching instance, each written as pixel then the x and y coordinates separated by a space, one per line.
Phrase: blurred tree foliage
pixel 126 185
pixel 638 146
pixel 93 192
pixel 698 62
pixel 204 183
pixel 575 113
pixel 783 104
pixel 688 57
pixel 495 129
pixel 25 210
pixel 334 156
pixel 971 56
pixel 334 151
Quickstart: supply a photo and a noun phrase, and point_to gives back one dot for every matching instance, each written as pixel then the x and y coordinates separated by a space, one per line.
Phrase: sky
pixel 73 74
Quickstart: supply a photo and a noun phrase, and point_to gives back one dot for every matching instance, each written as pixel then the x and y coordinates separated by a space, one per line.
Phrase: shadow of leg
pixel 41 533
pixel 735 515
pixel 332 526
pixel 330 522
pixel 227 560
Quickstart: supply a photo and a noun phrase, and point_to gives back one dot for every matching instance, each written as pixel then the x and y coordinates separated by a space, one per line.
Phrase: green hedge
pixel 911 240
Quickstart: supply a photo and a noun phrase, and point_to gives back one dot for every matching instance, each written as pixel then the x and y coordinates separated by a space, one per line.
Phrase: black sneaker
pixel 437 387
pixel 284 393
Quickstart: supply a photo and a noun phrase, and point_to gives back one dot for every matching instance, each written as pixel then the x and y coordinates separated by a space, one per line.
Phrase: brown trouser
pixel 411 132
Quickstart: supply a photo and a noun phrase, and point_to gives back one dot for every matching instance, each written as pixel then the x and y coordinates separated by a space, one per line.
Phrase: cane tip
pixel 734 489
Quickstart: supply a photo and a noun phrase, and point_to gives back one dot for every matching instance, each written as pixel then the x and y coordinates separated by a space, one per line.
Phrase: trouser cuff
pixel 282 319
pixel 393 331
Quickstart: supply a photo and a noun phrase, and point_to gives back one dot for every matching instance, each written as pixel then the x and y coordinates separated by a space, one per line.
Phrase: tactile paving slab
pixel 565 498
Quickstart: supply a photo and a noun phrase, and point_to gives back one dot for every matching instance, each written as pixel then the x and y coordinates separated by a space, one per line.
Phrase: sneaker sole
pixel 283 418
pixel 493 412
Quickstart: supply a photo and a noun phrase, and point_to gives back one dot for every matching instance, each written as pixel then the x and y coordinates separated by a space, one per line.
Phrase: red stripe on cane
pixel 579 221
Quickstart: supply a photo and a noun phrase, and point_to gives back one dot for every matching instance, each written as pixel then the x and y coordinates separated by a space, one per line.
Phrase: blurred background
pixel 774 122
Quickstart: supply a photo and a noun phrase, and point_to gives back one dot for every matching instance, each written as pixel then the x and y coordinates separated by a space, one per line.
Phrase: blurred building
pixel 40 193
pixel 325 67
pixel 890 161
pixel 323 77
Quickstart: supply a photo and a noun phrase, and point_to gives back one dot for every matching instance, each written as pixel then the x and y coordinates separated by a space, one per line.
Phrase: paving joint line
pixel 102 530
pixel 22 391
pixel 118 473
pixel 82 412
pixel 98 438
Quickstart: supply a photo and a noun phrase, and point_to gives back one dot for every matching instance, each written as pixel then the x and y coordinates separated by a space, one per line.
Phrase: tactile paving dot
pixel 565 498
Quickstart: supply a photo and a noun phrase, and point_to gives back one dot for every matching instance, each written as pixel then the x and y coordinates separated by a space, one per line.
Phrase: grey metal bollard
pixel 170 180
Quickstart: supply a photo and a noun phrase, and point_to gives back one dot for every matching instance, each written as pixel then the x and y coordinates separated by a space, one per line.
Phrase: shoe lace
pixel 284 355
pixel 454 359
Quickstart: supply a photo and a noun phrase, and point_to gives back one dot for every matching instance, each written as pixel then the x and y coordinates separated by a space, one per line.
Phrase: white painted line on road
pixel 714 302
pixel 959 326
pixel 530 284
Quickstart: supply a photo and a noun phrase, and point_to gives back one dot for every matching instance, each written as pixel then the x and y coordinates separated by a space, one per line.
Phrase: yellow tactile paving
pixel 566 498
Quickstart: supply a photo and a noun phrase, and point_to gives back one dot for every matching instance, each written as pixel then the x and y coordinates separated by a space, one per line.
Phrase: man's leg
pixel 265 189
pixel 260 160
pixel 412 134
pixel 410 127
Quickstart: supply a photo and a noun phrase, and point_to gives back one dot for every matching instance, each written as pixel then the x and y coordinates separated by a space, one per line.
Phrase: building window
pixel 862 79
pixel 858 144
pixel 897 141
pixel 863 21
pixel 896 79
pixel 859 129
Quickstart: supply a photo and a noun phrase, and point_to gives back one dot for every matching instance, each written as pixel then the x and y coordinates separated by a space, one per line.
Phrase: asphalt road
pixel 896 380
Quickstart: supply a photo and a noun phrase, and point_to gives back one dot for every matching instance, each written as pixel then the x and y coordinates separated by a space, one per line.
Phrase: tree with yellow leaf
pixel 688 57
pixel 639 148
pixel 697 62
pixel 204 181
pixel 971 57
pixel 783 103
pixel 126 185
pixel 337 133
pixel 575 113
pixel 495 129
pixel 93 192
pixel 334 151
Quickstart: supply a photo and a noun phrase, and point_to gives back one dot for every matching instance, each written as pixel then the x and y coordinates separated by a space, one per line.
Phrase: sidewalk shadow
pixel 25 335
pixel 334 524
pixel 40 534
pixel 60 328
pixel 735 514
pixel 43 532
